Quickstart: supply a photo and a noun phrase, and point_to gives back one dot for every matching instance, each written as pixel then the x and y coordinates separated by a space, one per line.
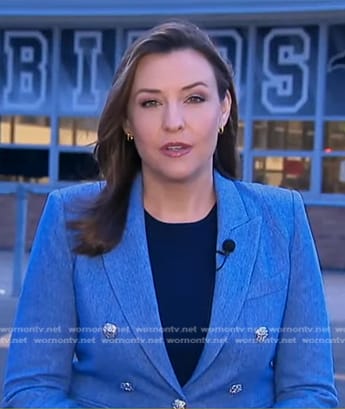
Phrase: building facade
pixel 58 59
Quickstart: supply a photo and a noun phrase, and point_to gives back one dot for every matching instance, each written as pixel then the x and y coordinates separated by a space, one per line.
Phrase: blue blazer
pixel 88 333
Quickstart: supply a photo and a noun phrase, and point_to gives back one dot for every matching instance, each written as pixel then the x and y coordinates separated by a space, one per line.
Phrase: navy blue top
pixel 183 257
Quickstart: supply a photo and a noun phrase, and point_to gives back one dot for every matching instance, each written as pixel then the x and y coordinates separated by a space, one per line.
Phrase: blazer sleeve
pixel 42 344
pixel 304 364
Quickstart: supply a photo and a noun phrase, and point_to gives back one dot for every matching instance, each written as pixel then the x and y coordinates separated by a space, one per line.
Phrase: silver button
pixel 179 404
pixel 109 330
pixel 127 387
pixel 261 334
pixel 235 388
pixel 272 364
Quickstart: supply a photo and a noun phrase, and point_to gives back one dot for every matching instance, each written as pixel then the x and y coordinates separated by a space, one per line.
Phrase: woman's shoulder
pixel 79 192
pixel 74 200
pixel 265 193
pixel 275 204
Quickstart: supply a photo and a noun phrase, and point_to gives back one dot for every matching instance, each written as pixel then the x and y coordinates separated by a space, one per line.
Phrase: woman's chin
pixel 180 175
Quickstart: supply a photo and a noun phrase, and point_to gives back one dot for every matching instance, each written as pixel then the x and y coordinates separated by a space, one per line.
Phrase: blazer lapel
pixel 232 280
pixel 129 271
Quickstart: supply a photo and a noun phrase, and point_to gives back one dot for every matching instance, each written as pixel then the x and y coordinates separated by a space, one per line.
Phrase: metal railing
pixel 21 192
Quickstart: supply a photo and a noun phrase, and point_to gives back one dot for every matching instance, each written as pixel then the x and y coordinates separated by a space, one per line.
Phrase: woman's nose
pixel 173 118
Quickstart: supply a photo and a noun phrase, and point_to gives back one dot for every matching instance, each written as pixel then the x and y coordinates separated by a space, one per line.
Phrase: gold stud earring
pixel 221 130
pixel 130 137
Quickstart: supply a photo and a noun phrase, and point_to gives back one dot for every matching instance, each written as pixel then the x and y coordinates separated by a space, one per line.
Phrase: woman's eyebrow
pixel 158 91
pixel 195 84
pixel 149 90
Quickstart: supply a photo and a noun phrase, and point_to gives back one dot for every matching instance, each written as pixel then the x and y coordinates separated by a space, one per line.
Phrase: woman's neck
pixel 177 202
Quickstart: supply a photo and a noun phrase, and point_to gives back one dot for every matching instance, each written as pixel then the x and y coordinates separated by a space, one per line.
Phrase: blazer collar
pixel 129 272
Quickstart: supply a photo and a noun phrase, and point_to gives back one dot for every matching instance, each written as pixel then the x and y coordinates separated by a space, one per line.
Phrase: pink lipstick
pixel 176 149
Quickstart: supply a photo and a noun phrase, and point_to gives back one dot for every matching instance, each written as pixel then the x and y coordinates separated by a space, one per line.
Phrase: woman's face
pixel 174 113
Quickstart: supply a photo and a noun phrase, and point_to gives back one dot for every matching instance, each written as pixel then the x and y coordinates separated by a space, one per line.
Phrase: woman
pixel 175 285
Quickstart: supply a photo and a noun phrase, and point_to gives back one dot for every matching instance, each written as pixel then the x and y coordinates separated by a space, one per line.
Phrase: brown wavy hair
pixel 101 227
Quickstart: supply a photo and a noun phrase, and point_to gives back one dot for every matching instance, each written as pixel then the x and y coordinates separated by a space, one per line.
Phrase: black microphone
pixel 228 247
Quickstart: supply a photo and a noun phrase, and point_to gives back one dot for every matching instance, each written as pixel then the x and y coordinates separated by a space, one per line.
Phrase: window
pixel 25 130
pixel 24 165
pixel 287 135
pixel 75 166
pixel 333 170
pixel 334 137
pixel 290 172
pixel 240 135
pixel 78 131
pixel 20 163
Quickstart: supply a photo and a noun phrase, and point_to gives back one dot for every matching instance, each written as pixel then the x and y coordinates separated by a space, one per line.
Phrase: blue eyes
pixel 194 99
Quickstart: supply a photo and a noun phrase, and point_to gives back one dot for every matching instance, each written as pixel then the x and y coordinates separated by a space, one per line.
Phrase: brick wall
pixel 35 207
pixel 328 225
pixel 8 219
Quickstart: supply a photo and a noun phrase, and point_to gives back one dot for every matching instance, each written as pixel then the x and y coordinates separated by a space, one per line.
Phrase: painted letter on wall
pixel 27 65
